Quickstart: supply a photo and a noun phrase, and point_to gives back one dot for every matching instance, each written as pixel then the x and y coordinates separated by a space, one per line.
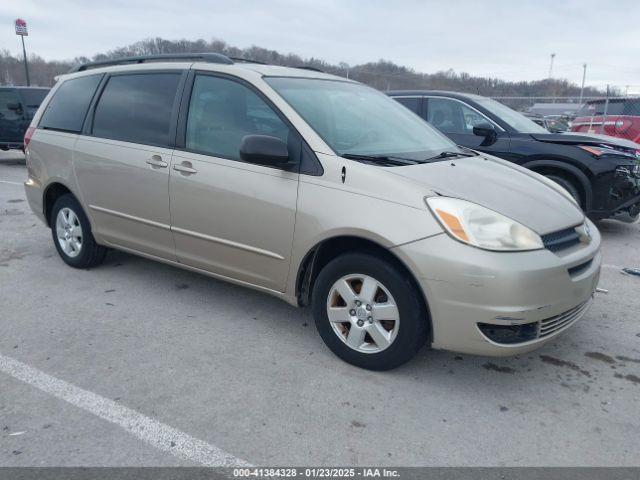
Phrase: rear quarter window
pixel 69 105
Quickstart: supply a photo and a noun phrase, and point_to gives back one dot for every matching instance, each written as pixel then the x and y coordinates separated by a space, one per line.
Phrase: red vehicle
pixel 622 118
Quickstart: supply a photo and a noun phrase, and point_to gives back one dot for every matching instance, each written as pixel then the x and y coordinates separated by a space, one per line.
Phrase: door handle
pixel 185 168
pixel 156 161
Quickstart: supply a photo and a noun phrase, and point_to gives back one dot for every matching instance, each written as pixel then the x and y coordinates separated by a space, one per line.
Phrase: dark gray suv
pixel 17 107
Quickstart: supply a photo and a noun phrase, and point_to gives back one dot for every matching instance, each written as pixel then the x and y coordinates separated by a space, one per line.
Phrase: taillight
pixel 27 136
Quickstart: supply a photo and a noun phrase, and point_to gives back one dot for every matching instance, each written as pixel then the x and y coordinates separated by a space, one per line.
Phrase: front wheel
pixel 368 312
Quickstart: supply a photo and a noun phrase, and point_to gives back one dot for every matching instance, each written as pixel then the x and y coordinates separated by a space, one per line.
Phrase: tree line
pixel 383 74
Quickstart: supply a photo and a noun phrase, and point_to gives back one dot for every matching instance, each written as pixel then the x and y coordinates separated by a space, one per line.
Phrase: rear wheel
pixel 568 185
pixel 72 235
pixel 368 312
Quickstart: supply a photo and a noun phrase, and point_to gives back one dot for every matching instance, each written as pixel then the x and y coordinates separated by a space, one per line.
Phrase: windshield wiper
pixel 380 159
pixel 447 154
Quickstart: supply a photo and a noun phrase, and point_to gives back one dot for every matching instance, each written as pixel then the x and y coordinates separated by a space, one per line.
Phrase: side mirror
pixel 16 107
pixel 487 131
pixel 264 150
pixel 484 130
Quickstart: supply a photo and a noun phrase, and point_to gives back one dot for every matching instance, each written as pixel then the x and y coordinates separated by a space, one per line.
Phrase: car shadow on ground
pixel 565 362
pixel 610 228
pixel 12 157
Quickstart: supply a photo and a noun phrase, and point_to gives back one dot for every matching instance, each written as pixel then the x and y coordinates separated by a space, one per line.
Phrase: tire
pixel 69 222
pixel 568 186
pixel 394 342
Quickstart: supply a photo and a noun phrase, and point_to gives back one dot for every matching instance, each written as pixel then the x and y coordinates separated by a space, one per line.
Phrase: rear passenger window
pixel 137 108
pixel 222 112
pixel 412 103
pixel 69 105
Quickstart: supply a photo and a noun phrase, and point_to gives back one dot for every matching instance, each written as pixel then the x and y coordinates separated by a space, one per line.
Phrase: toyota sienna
pixel 318 190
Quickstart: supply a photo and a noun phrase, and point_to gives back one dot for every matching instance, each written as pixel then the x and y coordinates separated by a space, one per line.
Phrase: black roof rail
pixel 246 60
pixel 305 67
pixel 202 57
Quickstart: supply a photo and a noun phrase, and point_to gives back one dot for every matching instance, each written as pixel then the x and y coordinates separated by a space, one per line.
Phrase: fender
pixel 574 171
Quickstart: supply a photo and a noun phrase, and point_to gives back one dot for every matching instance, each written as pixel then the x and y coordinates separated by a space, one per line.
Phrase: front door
pixel 123 165
pixel 228 216
pixel 456 120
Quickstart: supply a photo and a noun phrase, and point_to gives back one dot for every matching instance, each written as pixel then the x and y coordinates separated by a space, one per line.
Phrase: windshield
pixel 357 120
pixel 515 120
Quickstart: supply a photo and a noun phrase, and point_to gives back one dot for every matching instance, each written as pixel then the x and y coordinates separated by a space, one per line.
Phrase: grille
pixel 560 240
pixel 553 324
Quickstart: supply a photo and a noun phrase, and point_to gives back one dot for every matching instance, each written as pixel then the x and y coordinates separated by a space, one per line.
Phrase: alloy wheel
pixel 69 232
pixel 363 313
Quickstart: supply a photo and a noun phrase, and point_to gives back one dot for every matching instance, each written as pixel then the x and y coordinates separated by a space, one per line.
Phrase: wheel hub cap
pixel 69 232
pixel 363 313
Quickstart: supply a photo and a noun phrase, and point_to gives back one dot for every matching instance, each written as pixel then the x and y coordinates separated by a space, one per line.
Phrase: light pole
pixel 584 75
pixel 553 55
pixel 21 30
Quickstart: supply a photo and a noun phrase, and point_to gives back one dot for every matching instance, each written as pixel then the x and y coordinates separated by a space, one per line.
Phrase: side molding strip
pixel 130 217
pixel 190 233
pixel 229 243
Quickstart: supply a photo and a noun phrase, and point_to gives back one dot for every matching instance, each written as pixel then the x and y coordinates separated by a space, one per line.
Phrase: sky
pixel 512 40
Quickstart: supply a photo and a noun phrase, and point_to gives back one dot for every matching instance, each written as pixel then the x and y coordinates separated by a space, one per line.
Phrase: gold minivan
pixel 318 190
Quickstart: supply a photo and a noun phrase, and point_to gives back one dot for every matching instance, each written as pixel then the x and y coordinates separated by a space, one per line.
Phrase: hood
pixel 574 138
pixel 500 186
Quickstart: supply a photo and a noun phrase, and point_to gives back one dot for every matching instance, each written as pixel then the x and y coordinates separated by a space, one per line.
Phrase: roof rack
pixel 246 60
pixel 305 67
pixel 202 57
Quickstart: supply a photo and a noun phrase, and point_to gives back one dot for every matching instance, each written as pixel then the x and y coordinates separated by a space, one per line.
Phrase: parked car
pixel 17 107
pixel 551 123
pixel 315 189
pixel 622 119
pixel 601 173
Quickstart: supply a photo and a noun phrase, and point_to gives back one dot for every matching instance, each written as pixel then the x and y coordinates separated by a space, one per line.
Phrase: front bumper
pixel 616 193
pixel 466 286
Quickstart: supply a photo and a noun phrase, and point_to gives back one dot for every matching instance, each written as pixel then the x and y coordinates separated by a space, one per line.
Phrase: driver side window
pixel 472 119
pixel 452 116
pixel 222 112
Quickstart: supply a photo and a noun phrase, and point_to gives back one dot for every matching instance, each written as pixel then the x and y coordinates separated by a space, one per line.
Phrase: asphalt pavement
pixel 136 363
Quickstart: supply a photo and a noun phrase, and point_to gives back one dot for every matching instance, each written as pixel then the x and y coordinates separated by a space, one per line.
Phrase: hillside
pixel 383 74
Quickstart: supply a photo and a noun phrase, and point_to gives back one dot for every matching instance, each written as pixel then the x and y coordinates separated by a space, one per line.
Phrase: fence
pixel 615 113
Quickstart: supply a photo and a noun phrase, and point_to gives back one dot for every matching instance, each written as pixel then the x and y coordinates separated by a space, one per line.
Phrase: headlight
pixel 483 228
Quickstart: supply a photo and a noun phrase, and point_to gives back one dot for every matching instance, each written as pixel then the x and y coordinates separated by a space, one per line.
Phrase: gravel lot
pixel 246 374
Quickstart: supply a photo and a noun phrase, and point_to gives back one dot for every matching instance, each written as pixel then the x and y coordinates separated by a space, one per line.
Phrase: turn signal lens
pixel 454 225
pixel 592 150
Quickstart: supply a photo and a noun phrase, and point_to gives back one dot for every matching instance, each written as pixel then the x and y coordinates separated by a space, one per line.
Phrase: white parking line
pixel 159 435
pixel 12 183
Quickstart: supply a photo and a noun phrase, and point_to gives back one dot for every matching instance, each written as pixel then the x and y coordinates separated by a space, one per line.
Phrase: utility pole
pixel 553 55
pixel 21 30
pixel 606 110
pixel 584 75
